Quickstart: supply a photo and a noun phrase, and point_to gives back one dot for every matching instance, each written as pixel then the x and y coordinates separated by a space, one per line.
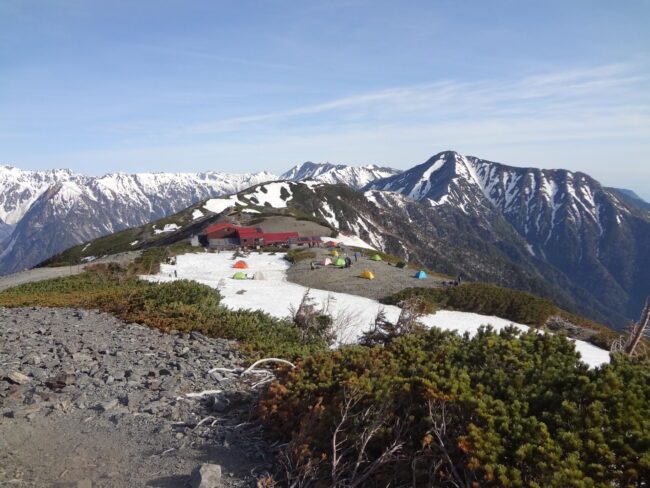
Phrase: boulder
pixel 206 476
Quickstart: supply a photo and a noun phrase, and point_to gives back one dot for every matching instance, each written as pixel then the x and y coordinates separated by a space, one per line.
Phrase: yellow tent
pixel 335 253
pixel 367 274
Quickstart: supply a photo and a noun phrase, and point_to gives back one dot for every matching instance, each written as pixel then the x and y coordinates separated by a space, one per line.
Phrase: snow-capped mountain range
pixel 354 176
pixel 45 212
pixel 553 232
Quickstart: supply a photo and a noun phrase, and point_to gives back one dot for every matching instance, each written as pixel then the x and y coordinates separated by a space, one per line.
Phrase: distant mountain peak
pixel 354 176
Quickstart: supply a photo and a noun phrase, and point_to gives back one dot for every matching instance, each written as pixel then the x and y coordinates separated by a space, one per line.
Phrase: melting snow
pixel 353 241
pixel 134 243
pixel 275 295
pixel 273 194
pixel 197 214
pixel 218 205
pixel 167 228
pixel 328 214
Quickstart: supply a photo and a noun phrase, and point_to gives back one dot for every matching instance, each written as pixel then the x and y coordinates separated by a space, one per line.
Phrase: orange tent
pixel 240 265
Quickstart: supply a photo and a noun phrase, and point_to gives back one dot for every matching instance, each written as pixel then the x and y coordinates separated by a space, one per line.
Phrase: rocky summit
pixel 88 400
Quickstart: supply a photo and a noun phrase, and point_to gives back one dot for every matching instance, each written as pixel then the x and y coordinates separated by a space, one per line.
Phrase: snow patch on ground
pixel 134 243
pixel 275 295
pixel 167 228
pixel 197 214
pixel 251 211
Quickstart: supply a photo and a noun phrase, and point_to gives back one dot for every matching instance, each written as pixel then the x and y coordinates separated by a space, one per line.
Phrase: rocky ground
pixel 389 279
pixel 88 400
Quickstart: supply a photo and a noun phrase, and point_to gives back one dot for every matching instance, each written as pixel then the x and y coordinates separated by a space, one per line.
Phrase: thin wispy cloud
pixel 574 92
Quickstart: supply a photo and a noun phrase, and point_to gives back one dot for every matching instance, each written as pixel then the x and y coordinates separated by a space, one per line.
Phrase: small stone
pixel 206 476
pixel 17 378
pixel 219 404
pixel 81 357
pixel 60 381
pixel 109 405
pixel 33 359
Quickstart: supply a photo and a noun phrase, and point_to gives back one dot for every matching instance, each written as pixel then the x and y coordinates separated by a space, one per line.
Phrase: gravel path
pixel 388 279
pixel 88 400
pixel 40 274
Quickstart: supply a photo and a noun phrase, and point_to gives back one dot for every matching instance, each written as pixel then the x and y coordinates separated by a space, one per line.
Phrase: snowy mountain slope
pixel 354 176
pixel 565 221
pixel 54 212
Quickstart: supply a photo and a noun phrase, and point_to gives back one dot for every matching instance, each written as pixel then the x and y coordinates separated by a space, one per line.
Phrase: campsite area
pixel 388 278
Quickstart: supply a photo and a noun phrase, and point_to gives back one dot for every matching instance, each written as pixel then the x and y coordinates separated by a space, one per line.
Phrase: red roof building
pixel 226 234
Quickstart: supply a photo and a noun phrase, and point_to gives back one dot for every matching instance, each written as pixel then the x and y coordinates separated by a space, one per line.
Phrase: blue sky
pixel 161 85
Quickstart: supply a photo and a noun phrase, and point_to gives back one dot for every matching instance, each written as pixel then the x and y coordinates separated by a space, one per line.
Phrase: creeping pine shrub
pixel 514 305
pixel 296 255
pixel 385 331
pixel 437 409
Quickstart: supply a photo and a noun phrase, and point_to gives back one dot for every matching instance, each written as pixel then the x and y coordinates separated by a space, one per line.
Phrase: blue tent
pixel 420 275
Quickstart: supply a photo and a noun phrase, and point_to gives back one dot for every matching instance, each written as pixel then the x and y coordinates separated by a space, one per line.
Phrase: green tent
pixel 239 276
pixel 376 257
pixel 401 265
pixel 340 262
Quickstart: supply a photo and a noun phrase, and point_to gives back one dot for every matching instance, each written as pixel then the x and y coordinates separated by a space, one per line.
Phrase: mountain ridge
pixel 568 220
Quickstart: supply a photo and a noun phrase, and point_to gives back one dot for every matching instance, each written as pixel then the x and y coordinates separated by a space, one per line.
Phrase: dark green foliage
pixel 180 305
pixel 505 409
pixel 518 306
pixel 296 255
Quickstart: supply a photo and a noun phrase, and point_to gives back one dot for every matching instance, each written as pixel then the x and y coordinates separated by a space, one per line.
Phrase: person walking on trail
pixel 460 279
pixel 356 256
pixel 311 265
pixel 175 274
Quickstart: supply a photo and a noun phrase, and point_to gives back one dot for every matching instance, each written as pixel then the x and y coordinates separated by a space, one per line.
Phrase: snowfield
pixel 352 314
